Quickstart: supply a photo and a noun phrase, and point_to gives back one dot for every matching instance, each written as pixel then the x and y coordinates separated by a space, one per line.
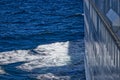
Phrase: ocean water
pixel 41 40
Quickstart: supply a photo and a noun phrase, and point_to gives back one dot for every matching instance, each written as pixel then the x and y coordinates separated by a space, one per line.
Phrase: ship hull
pixel 102 54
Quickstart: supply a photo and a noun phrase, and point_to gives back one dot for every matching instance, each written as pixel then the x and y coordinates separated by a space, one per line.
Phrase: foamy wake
pixel 43 63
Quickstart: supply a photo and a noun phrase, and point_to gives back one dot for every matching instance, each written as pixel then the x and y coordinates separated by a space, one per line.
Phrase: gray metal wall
pixel 102 59
pixel 105 5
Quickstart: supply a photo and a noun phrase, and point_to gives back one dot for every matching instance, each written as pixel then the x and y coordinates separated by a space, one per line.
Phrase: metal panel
pixel 102 58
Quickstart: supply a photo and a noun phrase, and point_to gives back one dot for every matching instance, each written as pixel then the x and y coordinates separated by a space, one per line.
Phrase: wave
pixel 76 15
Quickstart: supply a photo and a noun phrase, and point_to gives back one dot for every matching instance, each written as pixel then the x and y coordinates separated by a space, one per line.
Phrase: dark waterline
pixel 25 24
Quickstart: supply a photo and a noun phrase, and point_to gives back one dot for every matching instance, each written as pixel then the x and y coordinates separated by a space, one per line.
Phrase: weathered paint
pixel 102 58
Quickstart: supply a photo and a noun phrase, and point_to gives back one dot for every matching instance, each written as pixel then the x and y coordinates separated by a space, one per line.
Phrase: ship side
pixel 102 39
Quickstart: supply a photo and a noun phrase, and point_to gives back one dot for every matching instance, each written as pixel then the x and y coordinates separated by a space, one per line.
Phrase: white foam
pixel 54 54
pixel 48 55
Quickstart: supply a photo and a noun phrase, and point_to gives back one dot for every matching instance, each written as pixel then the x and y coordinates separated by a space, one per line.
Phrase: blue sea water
pixel 25 24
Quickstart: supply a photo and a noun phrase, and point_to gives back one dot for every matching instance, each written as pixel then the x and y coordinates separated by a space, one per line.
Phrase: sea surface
pixel 41 40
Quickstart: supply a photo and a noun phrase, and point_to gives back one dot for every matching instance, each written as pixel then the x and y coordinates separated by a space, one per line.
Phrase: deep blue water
pixel 25 24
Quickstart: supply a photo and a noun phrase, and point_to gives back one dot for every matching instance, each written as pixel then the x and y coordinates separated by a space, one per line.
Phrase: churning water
pixel 41 40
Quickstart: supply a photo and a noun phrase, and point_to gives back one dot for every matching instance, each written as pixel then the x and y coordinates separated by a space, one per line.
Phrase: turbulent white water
pixel 50 61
